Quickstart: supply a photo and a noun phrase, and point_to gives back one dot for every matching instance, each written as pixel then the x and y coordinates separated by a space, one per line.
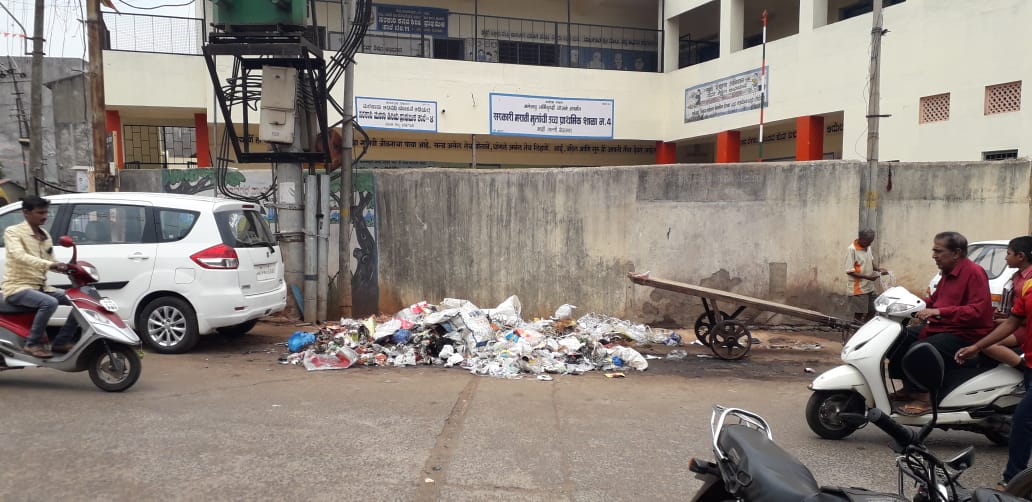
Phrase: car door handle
pixel 138 256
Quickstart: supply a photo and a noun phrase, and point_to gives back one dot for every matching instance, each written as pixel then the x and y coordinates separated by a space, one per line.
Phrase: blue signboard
pixel 406 19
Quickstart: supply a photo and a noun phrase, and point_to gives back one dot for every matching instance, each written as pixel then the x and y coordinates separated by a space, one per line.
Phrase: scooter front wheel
pixel 112 377
pixel 824 412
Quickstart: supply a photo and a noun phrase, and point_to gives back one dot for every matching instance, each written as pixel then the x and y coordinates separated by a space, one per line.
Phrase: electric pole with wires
pixel 869 178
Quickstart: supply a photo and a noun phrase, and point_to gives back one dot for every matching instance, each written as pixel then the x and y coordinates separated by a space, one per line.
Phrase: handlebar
pixel 903 436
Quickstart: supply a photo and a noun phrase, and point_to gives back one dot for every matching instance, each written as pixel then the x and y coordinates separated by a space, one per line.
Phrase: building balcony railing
pixel 153 34
pixel 439 34
pixel 431 33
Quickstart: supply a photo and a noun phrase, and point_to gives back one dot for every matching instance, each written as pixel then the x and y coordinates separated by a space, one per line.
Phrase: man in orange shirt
pixel 862 273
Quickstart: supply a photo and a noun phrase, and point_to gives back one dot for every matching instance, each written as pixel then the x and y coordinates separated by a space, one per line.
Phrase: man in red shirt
pixel 958 314
pixel 1019 251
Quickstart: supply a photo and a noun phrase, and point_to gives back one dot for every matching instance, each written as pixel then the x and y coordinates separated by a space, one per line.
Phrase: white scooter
pixel 977 400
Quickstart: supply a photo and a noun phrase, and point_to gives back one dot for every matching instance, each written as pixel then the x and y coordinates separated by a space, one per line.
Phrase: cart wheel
pixel 703 326
pixel 730 339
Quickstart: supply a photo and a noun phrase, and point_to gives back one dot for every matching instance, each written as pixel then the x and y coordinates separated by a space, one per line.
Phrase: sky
pixel 63 28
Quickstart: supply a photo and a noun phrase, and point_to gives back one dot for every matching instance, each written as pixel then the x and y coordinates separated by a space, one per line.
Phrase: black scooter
pixel 751 467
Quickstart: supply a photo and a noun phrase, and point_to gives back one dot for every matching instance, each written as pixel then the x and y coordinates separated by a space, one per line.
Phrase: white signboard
pixel 517 115
pixel 400 114
pixel 737 93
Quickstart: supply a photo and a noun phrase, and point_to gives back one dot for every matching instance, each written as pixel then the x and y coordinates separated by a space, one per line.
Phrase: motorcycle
pixel 751 467
pixel 106 346
pixel 980 399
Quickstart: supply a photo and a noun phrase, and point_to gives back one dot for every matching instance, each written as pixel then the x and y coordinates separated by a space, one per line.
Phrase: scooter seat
pixel 765 471
pixel 7 308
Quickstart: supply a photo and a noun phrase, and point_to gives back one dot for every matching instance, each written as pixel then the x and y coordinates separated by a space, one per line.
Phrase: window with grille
pixel 527 53
pixel 1000 155
pixel 935 108
pixel 1003 98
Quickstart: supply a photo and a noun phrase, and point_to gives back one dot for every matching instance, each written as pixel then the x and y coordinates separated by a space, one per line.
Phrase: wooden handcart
pixel 727 335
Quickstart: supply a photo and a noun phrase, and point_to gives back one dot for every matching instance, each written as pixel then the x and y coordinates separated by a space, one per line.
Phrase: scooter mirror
pixel 65 241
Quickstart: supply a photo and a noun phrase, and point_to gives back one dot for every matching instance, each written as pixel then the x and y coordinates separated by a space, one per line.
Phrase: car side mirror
pixel 65 241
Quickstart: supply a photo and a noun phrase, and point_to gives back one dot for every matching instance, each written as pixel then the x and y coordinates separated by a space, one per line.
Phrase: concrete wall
pixel 776 231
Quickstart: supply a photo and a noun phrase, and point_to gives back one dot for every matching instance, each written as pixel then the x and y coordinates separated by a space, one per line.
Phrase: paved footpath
pixel 228 422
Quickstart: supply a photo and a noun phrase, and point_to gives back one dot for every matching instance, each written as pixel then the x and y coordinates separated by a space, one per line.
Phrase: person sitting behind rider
pixel 1019 256
pixel 1020 443
pixel 30 255
pixel 959 313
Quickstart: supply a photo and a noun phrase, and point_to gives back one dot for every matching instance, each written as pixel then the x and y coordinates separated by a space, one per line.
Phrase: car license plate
pixel 266 271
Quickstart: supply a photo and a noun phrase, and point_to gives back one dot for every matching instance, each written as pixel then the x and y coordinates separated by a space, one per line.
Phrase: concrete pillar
pixel 113 126
pixel 201 140
pixel 812 14
pixel 729 147
pixel 666 153
pixel 732 25
pixel 810 138
pixel 671 44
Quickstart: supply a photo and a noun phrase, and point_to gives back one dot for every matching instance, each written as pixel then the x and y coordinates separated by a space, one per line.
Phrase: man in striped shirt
pixel 862 273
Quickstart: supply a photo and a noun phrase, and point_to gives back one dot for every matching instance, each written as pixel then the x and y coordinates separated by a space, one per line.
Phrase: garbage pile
pixel 494 342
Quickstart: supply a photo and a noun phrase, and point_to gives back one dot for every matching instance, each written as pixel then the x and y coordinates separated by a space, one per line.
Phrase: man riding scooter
pixel 958 314
pixel 30 255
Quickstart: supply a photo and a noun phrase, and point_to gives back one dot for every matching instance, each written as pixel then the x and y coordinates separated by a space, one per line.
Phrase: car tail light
pixel 217 257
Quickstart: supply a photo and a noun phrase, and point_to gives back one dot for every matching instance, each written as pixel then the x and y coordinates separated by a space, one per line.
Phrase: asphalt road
pixel 228 422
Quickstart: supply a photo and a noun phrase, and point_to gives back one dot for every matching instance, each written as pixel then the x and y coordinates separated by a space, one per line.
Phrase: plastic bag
pixel 339 359
pixel 564 312
pixel 299 340
pixel 887 281
pixel 629 357
pixel 507 312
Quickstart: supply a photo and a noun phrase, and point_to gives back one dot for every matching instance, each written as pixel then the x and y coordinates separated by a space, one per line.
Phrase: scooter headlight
pixel 897 308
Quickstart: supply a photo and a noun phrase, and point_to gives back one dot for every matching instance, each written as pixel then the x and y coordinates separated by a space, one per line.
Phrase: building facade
pixel 461 83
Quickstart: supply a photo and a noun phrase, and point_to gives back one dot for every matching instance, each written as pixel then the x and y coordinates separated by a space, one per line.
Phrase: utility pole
pixel 346 188
pixel 102 180
pixel 36 98
pixel 869 179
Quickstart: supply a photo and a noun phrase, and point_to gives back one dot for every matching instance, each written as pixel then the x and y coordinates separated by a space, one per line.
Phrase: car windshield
pixel 244 228
pixel 992 258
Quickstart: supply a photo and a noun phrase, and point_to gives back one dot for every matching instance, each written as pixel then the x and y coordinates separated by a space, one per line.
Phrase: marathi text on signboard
pixel 518 115
pixel 406 115
pixel 737 93
pixel 407 19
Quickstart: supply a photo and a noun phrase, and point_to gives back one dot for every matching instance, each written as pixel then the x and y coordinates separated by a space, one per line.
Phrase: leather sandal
pixel 915 408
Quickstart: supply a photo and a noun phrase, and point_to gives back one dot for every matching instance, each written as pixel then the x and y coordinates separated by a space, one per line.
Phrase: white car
pixel 992 256
pixel 178 266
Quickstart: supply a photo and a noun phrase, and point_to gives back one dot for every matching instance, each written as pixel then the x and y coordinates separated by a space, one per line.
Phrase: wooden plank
pixel 749 301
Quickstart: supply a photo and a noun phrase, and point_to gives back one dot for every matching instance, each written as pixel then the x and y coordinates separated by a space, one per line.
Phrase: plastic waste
pixel 677 354
pixel 629 357
pixel 402 336
pixel 299 340
pixel 339 359
pixel 674 340
pixel 564 312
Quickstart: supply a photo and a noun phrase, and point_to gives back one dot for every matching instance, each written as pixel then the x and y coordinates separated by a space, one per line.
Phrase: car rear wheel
pixel 168 325
pixel 237 329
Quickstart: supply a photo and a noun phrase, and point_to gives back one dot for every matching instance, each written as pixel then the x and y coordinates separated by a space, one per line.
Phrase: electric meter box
pixel 261 12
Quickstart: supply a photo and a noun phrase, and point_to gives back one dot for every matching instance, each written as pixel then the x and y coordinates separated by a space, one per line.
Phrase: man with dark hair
pixel 1019 254
pixel 30 255
pixel 959 313
pixel 862 273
